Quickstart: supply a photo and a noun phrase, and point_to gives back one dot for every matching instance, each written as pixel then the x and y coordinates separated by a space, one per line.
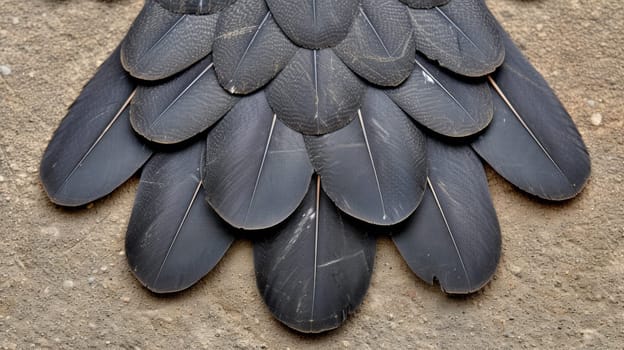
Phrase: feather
pixel 379 46
pixel 443 102
pixel 161 43
pixel 316 93
pixel 180 108
pixel 94 150
pixel 315 269
pixel 462 36
pixel 314 24
pixel 532 141
pixel 257 169
pixel 249 48
pixel 424 4
pixel 374 168
pixel 174 238
pixel 453 236
pixel 196 7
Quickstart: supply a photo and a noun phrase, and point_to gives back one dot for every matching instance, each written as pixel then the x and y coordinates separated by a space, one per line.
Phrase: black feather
pixel 197 7
pixel 424 4
pixel 249 48
pixel 462 36
pixel 94 150
pixel 161 43
pixel 257 169
pixel 379 46
pixel 316 93
pixel 374 168
pixel 453 236
pixel 532 141
pixel 174 238
pixel 180 108
pixel 443 102
pixel 315 268
pixel 314 24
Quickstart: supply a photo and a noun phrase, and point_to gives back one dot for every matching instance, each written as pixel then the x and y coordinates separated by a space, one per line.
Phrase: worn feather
pixel 374 168
pixel 444 102
pixel 379 46
pixel 316 93
pixel 249 49
pixel 462 36
pixel 315 269
pixel 454 236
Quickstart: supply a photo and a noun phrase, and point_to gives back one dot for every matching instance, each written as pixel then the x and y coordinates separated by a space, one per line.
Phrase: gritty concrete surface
pixel 64 281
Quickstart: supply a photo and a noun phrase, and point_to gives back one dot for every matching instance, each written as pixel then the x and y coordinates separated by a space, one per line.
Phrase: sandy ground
pixel 64 281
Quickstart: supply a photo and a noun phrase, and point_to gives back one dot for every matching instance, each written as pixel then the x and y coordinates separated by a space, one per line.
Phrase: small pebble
pixel 68 284
pixel 516 270
pixel 125 299
pixel 591 103
pixel 5 70
pixel 596 119
pixel 15 20
pixel 91 280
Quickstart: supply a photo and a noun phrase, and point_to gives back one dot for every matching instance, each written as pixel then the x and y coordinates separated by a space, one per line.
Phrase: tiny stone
pixel 15 20
pixel 2 178
pixel 346 344
pixel 5 70
pixel 125 299
pixel 103 268
pixel 596 119
pixel 516 270
pixel 91 279
pixel 591 103
pixel 68 284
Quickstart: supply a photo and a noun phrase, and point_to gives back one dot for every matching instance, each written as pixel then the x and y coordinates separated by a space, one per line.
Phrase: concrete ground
pixel 65 283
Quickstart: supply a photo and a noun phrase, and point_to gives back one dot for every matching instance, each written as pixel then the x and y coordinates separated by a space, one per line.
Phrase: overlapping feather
pixel 271 92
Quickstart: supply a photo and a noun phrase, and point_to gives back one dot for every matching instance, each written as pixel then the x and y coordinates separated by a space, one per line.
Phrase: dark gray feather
pixel 182 107
pixel 257 169
pixel 379 46
pixel 196 7
pixel 454 236
pixel 462 36
pixel 249 49
pixel 94 150
pixel 443 102
pixel 424 4
pixel 174 238
pixel 314 24
pixel 315 269
pixel 374 168
pixel 161 43
pixel 316 93
pixel 532 141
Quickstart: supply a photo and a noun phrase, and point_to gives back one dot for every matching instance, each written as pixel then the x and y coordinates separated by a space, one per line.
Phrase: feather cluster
pixel 315 125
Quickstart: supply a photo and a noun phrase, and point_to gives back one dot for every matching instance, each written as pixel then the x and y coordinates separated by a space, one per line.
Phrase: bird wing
pixel 314 125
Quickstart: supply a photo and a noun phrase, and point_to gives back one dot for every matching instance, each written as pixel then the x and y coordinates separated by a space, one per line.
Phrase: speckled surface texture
pixel 65 283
